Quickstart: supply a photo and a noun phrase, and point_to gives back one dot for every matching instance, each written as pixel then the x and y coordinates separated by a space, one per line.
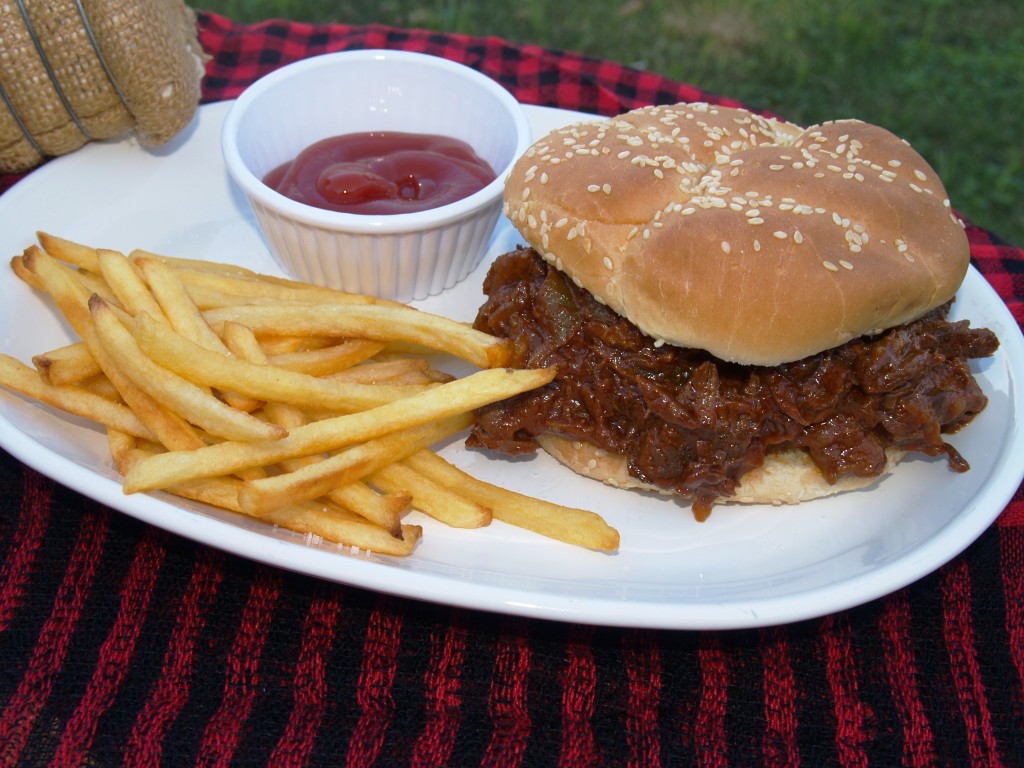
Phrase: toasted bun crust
pixel 785 478
pixel 757 240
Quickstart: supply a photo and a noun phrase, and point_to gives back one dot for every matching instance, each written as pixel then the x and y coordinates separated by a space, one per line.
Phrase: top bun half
pixel 754 239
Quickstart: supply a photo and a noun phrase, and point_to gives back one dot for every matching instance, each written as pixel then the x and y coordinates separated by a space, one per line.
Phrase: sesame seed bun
pixel 786 477
pixel 754 239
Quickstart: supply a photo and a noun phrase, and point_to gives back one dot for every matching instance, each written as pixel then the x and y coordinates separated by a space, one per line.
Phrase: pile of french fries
pixel 305 407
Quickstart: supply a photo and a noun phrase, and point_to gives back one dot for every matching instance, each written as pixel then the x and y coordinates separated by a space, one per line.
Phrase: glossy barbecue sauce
pixel 385 172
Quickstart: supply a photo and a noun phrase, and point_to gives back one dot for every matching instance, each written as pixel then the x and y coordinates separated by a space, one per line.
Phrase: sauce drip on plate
pixel 382 172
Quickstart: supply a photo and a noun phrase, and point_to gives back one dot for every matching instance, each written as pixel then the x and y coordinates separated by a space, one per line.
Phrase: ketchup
pixel 382 173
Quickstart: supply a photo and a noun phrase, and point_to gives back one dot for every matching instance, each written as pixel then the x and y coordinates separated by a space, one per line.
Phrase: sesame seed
pixel 779 234
pixel 608 263
pixel 726 248
pixel 920 175
pixel 894 163
pixel 845 264
pixel 755 221
pixel 830 266
pixel 916 188
pixel 593 188
pixel 757 245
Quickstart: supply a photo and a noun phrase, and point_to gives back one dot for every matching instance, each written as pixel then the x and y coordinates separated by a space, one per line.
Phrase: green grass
pixel 948 76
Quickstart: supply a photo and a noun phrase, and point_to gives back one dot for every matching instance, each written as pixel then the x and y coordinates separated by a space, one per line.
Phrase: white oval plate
pixel 744 567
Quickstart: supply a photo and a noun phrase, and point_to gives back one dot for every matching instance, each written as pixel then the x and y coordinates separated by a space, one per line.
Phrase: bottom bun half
pixel 786 477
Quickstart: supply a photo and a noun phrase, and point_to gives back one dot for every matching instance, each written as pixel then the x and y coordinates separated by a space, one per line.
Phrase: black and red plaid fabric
pixel 122 644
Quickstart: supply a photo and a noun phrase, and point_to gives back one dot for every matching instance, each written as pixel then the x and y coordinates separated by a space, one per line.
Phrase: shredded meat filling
pixel 695 424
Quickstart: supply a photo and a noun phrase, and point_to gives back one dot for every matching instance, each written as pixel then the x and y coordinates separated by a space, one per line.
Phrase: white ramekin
pixel 400 256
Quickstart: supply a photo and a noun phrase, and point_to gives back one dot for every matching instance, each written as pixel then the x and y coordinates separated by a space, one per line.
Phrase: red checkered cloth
pixel 126 645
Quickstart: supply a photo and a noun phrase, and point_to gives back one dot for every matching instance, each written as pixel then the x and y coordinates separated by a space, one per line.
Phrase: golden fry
pixel 327 360
pixel 439 502
pixel 127 284
pixel 69 364
pixel 319 478
pixel 73 253
pixel 202 366
pixel 80 402
pixel 379 323
pixel 572 526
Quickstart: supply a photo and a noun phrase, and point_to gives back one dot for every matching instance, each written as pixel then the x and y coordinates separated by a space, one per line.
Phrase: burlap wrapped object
pixel 73 71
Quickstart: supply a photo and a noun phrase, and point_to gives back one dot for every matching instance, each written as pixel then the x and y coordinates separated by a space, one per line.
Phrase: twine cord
pixel 99 53
pixel 20 123
pixel 49 69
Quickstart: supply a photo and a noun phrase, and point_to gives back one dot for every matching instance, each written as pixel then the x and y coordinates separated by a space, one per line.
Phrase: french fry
pixel 405 371
pixel 179 263
pixel 379 323
pixel 69 364
pixel 327 360
pixel 325 520
pixel 183 397
pixel 319 478
pixel 202 366
pixel 253 288
pixel 73 253
pixel 127 284
pixel 572 526
pixel 457 397
pixel 339 525
pixel 439 502
pixel 19 377
pixel 23 272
